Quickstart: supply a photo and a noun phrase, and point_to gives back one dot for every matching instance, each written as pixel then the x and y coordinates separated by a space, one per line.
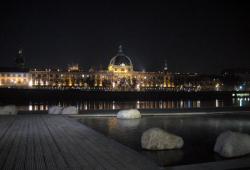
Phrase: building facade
pixel 14 77
pixel 17 76
pixel 118 76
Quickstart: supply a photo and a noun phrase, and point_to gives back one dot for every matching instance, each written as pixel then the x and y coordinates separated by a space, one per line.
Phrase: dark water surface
pixel 199 134
pixel 114 105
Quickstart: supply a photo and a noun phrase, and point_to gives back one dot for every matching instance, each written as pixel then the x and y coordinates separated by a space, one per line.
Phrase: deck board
pixel 53 142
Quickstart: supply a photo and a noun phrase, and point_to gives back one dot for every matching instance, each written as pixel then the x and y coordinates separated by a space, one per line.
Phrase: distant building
pixel 17 76
pixel 237 78
pixel 14 77
pixel 120 75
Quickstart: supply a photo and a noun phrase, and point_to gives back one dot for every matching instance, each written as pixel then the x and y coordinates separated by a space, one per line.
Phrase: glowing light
pixel 30 107
pixel 30 83
pixel 138 86
pixel 36 108
pixel 113 106
pixel 243 94
pixel 198 103
pixel 217 87
pixel 216 103
pixel 241 102
pixel 73 68
pixel 240 87
pixel 138 104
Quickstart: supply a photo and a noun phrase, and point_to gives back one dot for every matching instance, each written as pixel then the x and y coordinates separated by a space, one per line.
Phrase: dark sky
pixel 193 36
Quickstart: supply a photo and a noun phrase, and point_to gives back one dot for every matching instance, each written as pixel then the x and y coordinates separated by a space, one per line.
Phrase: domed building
pixel 120 63
pixel 119 76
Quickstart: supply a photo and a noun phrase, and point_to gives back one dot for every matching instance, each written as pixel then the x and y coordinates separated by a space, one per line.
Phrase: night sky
pixel 193 36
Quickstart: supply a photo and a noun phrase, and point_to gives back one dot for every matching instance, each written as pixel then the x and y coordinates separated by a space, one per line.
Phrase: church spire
pixel 19 60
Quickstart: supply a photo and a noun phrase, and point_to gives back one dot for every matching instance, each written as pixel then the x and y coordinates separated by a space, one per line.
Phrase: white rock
pixel 55 110
pixel 158 139
pixel 8 110
pixel 129 114
pixel 70 110
pixel 232 144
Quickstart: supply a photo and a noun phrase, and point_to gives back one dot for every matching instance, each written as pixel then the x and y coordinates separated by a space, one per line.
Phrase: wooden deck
pixel 38 142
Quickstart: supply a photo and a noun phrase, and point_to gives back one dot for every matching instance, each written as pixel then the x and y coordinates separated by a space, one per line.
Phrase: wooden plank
pixel 19 163
pixel 97 149
pixel 123 153
pixel 117 153
pixel 13 145
pixel 53 154
pixel 30 147
pixel 84 152
pixel 6 138
pixel 69 150
pixel 52 142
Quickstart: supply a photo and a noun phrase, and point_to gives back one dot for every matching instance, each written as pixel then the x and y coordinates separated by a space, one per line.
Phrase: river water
pixel 199 134
pixel 114 105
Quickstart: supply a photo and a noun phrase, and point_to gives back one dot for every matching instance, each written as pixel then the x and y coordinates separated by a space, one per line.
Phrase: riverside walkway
pixel 48 142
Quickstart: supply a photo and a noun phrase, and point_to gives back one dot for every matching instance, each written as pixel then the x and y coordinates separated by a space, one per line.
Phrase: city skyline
pixel 191 36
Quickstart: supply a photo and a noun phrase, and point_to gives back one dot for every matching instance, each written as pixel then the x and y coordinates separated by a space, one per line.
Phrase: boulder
pixel 232 144
pixel 69 110
pixel 129 114
pixel 158 139
pixel 8 110
pixel 55 110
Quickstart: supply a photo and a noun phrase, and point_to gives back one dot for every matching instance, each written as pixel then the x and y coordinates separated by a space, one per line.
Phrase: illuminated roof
pixel 121 59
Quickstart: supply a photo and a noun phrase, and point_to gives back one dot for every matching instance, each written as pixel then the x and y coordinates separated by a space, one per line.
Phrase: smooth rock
pixel 8 110
pixel 158 139
pixel 129 114
pixel 232 144
pixel 55 110
pixel 69 110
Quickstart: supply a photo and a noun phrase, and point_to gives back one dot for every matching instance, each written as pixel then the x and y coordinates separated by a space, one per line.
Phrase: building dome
pixel 120 62
pixel 121 59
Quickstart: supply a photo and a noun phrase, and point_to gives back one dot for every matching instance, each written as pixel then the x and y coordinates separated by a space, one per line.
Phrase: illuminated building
pixel 120 75
pixel 120 63
pixel 16 76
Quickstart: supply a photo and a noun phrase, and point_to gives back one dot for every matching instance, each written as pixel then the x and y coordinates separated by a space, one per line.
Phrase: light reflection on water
pixel 199 134
pixel 161 104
